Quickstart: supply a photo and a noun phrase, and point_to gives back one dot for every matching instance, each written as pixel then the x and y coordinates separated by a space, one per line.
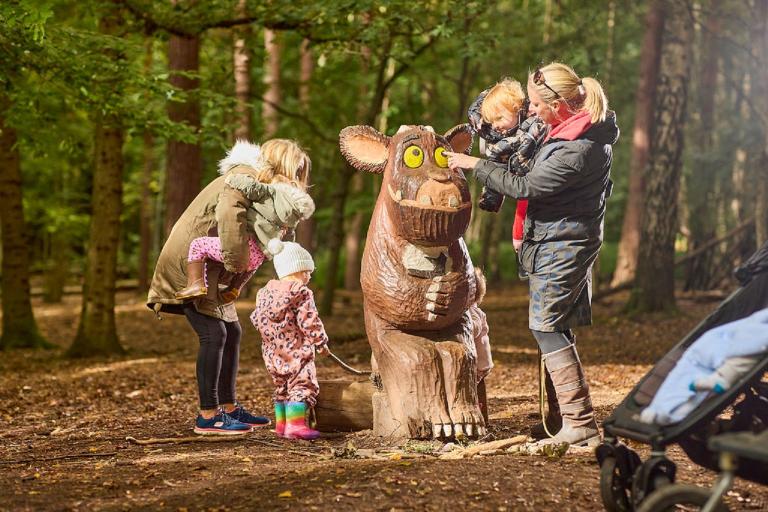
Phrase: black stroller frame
pixel 625 479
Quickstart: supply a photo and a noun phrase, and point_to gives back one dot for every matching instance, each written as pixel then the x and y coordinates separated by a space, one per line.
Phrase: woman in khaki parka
pixel 226 209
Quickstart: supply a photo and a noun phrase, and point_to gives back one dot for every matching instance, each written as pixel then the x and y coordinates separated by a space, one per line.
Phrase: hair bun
pixel 275 246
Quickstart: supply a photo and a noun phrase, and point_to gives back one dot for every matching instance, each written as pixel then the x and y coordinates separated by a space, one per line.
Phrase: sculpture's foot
pixel 461 390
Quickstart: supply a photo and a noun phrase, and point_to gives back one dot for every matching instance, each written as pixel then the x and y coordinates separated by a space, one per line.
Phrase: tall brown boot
pixel 579 426
pixel 553 419
pixel 195 281
pixel 233 290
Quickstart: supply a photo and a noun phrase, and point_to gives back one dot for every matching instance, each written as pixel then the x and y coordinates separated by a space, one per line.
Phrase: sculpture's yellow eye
pixel 440 157
pixel 413 156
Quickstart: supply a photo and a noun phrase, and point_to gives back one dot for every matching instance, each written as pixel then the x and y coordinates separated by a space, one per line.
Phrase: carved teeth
pixel 453 202
pixel 425 200
pixel 397 196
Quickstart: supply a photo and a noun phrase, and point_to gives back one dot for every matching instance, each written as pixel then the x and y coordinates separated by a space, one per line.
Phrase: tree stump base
pixel 344 406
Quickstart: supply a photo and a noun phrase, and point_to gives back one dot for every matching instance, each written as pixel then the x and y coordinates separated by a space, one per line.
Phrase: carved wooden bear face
pixel 428 203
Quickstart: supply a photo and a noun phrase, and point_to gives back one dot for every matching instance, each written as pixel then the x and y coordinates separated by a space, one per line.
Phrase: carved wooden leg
pixel 461 392
pixel 412 401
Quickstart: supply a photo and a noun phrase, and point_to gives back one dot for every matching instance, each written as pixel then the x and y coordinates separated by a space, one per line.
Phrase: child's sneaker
pixel 240 414
pixel 220 425
pixel 295 423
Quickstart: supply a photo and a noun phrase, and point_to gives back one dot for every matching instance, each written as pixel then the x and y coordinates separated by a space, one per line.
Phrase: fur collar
pixel 242 153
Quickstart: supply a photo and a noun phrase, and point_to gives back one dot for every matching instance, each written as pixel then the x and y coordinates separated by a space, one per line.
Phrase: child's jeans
pixel 209 247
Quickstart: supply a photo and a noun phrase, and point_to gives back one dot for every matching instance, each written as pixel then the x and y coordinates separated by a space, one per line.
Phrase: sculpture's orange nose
pixel 438 193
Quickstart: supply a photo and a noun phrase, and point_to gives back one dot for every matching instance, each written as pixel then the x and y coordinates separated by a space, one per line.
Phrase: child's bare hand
pixel 323 350
pixel 461 161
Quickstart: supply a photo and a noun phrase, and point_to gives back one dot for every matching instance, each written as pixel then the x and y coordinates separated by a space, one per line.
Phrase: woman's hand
pixel 461 161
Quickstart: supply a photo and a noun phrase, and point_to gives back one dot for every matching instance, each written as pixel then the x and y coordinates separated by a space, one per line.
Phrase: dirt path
pixel 63 444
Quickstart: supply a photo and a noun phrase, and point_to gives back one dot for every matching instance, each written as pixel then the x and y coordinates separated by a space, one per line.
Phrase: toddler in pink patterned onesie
pixel 291 332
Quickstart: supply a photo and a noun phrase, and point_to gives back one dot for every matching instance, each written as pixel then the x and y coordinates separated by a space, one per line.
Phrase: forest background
pixel 115 113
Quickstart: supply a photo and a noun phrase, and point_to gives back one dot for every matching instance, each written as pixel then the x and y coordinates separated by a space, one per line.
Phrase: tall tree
pixel 654 288
pixel 242 69
pixel 184 162
pixel 642 133
pixel 97 332
pixel 305 232
pixel 760 45
pixel 19 327
pixel 702 180
pixel 145 207
pixel 272 93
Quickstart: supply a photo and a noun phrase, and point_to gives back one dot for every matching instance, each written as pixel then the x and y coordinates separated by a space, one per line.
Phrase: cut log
pixel 344 405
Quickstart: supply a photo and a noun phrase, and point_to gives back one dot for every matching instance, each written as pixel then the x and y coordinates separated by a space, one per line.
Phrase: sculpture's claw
pixel 437 431
pixel 447 430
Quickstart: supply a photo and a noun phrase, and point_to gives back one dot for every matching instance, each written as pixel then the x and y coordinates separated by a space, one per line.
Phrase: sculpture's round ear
pixel 460 138
pixel 364 148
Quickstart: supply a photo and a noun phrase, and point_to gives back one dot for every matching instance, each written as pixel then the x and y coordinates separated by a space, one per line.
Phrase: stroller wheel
pixel 679 497
pixel 613 491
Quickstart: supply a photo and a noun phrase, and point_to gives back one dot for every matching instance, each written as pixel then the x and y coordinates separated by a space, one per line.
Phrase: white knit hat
pixel 289 257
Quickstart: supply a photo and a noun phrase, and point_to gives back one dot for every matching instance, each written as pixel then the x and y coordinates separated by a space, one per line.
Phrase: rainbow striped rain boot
pixel 295 422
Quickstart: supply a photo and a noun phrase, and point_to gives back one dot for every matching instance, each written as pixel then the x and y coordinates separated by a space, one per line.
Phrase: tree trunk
pixel 272 81
pixel 654 284
pixel 97 334
pixel 305 231
pixel 353 238
pixel 57 258
pixel 626 261
pixel 145 208
pixel 335 237
pixel 702 181
pixel 19 327
pixel 242 70
pixel 184 161
pixel 761 197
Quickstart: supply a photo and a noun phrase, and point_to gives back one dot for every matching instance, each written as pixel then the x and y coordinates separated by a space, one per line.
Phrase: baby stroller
pixel 626 480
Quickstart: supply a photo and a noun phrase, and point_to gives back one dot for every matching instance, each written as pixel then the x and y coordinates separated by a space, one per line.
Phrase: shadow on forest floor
pixel 65 422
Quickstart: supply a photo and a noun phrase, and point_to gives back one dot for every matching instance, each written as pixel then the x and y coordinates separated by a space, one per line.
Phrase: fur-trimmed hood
pixel 242 153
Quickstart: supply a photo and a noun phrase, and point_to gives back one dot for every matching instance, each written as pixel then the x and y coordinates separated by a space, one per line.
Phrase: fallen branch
pixel 59 457
pixel 491 446
pixel 182 440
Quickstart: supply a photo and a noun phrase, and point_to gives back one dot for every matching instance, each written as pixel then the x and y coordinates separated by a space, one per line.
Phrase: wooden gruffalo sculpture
pixel 418 283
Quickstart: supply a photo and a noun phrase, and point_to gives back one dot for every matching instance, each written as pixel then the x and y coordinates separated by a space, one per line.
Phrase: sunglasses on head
pixel 538 79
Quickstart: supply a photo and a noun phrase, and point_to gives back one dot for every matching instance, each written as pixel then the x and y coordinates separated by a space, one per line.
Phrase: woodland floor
pixel 63 442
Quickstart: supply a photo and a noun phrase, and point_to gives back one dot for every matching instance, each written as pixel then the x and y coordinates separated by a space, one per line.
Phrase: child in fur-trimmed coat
pixel 291 332
pixel 279 201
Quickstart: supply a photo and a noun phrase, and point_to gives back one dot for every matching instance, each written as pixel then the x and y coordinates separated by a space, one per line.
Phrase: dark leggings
pixel 551 341
pixel 217 358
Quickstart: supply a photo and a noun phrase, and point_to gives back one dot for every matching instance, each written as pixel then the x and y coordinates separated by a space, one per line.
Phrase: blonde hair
pixel 506 95
pixel 580 94
pixel 284 162
pixel 480 286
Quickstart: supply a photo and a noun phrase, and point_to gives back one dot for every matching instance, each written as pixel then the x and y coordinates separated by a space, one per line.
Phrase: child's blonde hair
pixel 506 95
pixel 480 286
pixel 284 162
pixel 585 94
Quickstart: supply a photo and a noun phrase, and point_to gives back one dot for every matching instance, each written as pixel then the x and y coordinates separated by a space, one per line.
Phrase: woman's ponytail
pixel 595 101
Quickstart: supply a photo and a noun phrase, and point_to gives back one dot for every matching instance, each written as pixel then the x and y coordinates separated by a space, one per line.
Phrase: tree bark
pixel 654 283
pixel 702 181
pixel 242 70
pixel 272 81
pixel 145 208
pixel 97 333
pixel 761 197
pixel 19 326
pixel 626 262
pixel 305 231
pixel 184 160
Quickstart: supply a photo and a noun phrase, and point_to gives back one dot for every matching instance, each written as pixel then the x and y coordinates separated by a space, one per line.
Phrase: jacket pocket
pixel 527 256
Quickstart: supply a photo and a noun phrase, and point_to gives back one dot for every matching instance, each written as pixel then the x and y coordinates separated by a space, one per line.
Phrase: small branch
pixel 59 457
pixel 310 124
pixel 182 440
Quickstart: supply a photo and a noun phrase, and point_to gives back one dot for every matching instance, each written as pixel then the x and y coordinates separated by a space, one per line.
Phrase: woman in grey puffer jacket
pixel 566 186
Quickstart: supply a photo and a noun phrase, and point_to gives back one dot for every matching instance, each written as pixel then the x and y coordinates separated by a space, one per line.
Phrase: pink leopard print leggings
pixel 210 247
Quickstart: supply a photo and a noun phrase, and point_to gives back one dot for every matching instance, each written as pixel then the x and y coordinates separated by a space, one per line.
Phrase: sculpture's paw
pixel 470 424
pixel 439 296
